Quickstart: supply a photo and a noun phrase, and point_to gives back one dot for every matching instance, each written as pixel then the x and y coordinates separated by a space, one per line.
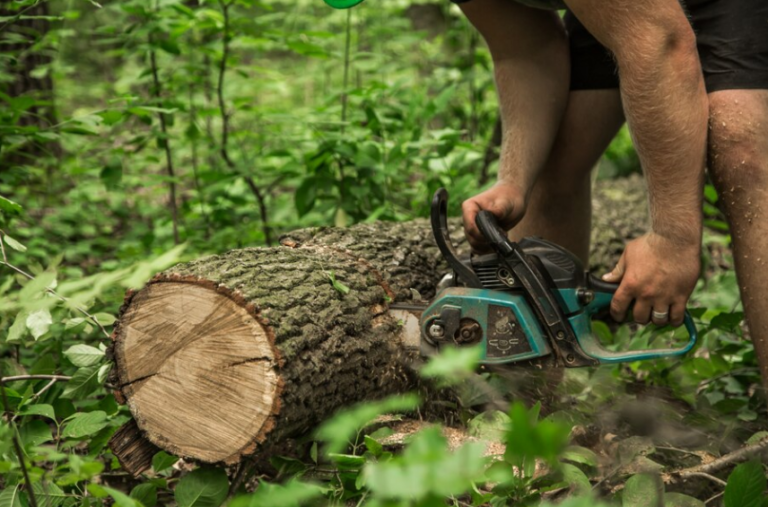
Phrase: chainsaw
pixel 530 300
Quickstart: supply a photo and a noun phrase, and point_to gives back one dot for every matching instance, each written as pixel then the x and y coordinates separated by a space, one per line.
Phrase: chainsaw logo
pixel 505 335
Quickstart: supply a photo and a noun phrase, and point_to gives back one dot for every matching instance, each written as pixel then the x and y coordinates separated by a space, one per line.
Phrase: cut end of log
pixel 199 369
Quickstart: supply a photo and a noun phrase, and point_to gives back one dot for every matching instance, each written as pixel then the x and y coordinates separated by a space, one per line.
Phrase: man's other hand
pixel 658 275
pixel 504 200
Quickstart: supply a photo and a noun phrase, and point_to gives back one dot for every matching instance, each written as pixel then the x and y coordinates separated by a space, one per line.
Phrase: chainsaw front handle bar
pixel 602 295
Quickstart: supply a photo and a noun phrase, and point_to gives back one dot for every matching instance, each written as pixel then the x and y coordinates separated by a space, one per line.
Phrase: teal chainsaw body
pixel 526 301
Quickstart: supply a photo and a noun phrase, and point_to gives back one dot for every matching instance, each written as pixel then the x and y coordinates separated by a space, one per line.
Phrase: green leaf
pixel 146 494
pixel 40 409
pixel 84 424
pixel 82 355
pixel 39 322
pixel 491 425
pixel 82 383
pixel 681 500
pixel 427 468
pixel 120 498
pixel 204 487
pixel 8 207
pixel 112 175
pixel 35 433
pixel 576 478
pixel 48 494
pixel 11 497
pixel 746 486
pixel 292 494
pixel 162 461
pixel 580 455
pixel 338 430
pixel 19 326
pixel 14 244
pixel 642 490
pixel 373 446
pixel 453 363
pixel 305 196
pixel 340 287
pixel 105 319
pixel 757 437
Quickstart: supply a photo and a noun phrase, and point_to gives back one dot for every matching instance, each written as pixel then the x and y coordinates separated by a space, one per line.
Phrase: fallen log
pixel 223 356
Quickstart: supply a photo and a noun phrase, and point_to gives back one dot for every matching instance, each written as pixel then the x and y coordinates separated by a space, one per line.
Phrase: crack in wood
pixel 145 377
pixel 250 360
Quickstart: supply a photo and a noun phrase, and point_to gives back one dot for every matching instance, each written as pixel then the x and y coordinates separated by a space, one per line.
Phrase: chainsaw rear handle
pixel 492 232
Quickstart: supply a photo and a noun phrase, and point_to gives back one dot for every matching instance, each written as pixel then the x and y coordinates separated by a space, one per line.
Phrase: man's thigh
pixel 731 36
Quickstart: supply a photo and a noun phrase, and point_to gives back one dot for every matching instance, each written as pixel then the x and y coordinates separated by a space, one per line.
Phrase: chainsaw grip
pixel 593 348
pixel 492 232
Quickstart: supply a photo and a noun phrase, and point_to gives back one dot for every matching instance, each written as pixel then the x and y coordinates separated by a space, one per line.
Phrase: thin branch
pixel 16 444
pixel 17 378
pixel 346 72
pixel 714 497
pixel 258 194
pixel 51 291
pixel 709 477
pixel 17 16
pixel 732 457
pixel 166 144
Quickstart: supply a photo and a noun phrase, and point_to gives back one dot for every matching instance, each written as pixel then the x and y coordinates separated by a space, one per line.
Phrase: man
pixel 553 138
pixel 554 133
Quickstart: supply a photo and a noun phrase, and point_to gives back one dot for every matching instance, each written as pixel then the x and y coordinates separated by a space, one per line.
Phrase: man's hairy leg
pixel 738 162
pixel 529 48
pixel 560 208
pixel 666 107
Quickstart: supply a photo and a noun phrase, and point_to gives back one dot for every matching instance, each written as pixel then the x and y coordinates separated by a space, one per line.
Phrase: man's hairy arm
pixel 666 106
pixel 530 56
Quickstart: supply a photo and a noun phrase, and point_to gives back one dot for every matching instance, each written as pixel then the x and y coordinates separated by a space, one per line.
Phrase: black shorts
pixel 731 35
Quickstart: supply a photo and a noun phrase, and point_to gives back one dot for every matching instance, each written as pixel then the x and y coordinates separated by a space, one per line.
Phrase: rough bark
pixel 221 357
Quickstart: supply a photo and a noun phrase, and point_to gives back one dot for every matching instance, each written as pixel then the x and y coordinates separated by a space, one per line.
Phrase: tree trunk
pixel 224 356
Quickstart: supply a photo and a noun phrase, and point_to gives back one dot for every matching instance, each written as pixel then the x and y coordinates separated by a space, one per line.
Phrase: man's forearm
pixel 531 65
pixel 666 106
pixel 664 100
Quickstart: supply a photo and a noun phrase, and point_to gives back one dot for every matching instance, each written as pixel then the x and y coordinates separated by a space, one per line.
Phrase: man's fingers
pixel 620 304
pixel 617 274
pixel 642 311
pixel 469 210
pixel 676 314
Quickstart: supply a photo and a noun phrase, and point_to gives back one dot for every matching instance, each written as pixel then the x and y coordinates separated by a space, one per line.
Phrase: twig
pixel 44 389
pixel 16 444
pixel 346 72
pixel 49 290
pixel 714 497
pixel 709 477
pixel 737 371
pixel 17 16
pixel 17 378
pixel 156 89
pixel 732 457
pixel 258 194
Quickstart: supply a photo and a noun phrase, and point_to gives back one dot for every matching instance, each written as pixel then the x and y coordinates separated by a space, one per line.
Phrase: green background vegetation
pixel 139 133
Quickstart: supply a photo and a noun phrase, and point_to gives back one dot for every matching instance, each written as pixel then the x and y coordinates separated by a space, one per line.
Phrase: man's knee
pixel 738 145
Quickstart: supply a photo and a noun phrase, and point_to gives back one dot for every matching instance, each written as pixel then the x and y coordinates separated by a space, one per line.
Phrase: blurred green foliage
pixel 231 121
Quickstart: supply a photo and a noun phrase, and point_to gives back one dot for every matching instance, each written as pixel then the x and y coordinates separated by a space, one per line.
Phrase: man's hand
pixel 504 200
pixel 659 275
